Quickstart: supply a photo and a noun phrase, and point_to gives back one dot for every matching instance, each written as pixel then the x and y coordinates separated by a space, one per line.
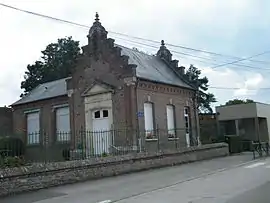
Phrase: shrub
pixel 11 162
pixel 11 147
pixel 66 154
pixel 104 154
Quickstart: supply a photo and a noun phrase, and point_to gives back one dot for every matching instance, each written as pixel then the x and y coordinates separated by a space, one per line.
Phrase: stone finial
pixel 164 53
pixel 97 17
pixel 97 29
pixel 162 43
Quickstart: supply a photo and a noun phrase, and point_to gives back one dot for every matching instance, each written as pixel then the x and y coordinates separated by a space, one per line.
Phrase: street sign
pixel 140 114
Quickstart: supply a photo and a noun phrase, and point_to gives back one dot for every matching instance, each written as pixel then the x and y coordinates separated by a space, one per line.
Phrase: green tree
pixel 239 101
pixel 205 99
pixel 57 61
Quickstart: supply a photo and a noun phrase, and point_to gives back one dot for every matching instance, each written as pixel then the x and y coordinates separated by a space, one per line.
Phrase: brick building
pixel 112 87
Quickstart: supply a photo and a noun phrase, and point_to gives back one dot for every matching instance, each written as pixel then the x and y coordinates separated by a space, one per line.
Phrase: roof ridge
pixel 54 81
pixel 182 77
pixel 136 50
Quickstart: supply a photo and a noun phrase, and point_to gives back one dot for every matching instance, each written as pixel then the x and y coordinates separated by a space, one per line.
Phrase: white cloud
pixel 234 84
pixel 251 85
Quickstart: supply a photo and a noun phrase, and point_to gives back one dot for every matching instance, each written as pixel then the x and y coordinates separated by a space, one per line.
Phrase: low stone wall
pixel 38 176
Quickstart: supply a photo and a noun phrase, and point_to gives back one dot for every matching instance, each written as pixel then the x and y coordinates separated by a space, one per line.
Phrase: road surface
pixel 235 179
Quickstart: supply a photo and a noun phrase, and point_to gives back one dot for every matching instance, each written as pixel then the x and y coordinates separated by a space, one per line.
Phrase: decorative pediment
pixel 97 88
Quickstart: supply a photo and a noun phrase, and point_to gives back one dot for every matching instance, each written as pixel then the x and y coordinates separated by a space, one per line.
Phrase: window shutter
pixel 33 128
pixel 148 116
pixel 63 123
pixel 170 120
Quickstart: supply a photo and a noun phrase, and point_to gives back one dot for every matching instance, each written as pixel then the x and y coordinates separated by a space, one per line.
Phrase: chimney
pixel 181 70
pixel 174 63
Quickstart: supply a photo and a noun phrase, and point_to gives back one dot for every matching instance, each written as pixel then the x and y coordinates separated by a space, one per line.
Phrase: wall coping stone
pixel 38 168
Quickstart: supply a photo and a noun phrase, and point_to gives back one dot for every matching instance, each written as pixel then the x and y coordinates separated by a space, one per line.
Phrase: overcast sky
pixel 232 27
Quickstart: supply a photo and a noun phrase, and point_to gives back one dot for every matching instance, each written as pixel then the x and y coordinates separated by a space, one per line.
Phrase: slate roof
pixel 148 67
pixel 45 91
pixel 152 68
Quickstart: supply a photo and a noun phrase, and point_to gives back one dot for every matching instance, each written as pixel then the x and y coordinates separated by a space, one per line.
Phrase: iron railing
pixel 46 147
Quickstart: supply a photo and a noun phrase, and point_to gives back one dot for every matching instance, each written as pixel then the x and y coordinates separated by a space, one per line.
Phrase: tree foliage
pixel 205 99
pixel 239 101
pixel 57 61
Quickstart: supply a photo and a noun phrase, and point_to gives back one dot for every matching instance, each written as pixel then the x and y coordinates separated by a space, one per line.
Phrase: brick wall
pixel 109 67
pixel 162 95
pixel 5 121
pixel 48 146
pixel 38 176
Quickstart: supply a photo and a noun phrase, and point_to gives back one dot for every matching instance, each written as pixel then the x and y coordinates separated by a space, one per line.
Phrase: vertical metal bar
pixel 102 133
pixel 83 145
pixel 100 142
pixel 253 150
pixel 158 137
pixel 103 138
pixel 42 132
pixel 267 148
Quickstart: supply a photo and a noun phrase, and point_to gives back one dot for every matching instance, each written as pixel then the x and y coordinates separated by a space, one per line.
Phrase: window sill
pixel 59 142
pixel 34 145
pixel 151 140
pixel 173 139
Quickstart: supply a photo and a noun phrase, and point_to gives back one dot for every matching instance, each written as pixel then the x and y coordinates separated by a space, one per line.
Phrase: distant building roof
pixel 5 109
pixel 45 91
pixel 148 67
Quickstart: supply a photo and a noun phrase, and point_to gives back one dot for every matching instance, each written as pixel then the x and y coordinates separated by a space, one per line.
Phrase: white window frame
pixel 62 135
pixel 170 110
pixel 101 114
pixel 33 136
pixel 149 120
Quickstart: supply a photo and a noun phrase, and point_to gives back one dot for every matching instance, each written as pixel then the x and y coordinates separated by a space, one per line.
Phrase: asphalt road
pixel 235 179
